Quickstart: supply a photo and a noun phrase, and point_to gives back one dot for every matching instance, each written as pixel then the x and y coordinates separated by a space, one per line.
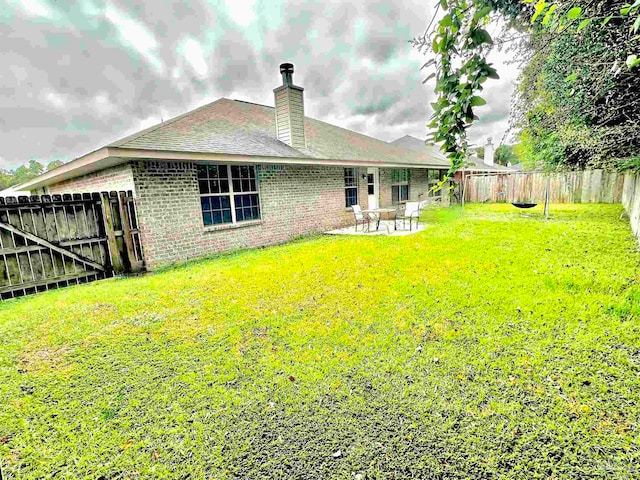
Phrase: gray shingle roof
pixel 236 127
pixel 417 145
pixel 473 163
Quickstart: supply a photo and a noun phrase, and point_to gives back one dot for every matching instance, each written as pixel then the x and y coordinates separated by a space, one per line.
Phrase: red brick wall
pixel 116 178
pixel 295 200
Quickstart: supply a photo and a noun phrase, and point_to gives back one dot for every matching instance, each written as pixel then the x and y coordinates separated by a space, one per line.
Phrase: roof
pixel 242 128
pixel 417 145
pixel 237 131
pixel 474 163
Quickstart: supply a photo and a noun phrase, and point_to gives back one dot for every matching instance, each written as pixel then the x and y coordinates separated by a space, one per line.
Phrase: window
pixel 433 178
pixel 371 184
pixel 399 185
pixel 433 175
pixel 228 193
pixel 350 186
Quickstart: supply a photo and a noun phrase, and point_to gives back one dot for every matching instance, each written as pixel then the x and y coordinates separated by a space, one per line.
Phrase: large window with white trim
pixel 228 193
pixel 433 178
pixel 350 186
pixel 399 185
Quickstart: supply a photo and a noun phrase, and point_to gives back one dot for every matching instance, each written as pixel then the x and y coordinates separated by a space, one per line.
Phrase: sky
pixel 77 75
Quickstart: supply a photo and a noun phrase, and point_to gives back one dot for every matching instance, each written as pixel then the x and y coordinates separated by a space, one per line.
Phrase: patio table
pixel 377 214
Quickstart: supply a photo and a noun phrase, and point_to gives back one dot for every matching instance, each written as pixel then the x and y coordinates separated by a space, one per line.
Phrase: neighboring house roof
pixel 233 130
pixel 474 164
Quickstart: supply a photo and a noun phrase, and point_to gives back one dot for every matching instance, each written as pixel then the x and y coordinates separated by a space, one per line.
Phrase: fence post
pixel 546 197
pixel 114 251
pixel 135 264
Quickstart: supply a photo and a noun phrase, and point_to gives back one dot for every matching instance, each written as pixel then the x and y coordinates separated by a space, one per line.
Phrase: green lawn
pixel 494 344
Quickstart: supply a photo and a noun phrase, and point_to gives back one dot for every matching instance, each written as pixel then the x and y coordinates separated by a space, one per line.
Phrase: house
pixel 235 174
pixel 474 164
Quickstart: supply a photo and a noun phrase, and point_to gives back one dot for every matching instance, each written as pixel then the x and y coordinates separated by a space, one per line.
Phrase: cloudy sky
pixel 77 74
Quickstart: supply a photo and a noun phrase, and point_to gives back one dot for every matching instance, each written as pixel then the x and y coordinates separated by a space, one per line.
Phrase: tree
pixel 24 173
pixel 578 102
pixel 5 179
pixel 506 155
pixel 460 44
pixel 27 172
pixel 54 164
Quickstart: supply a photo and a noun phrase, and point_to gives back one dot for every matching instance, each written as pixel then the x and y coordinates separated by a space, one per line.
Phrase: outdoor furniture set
pixel 402 214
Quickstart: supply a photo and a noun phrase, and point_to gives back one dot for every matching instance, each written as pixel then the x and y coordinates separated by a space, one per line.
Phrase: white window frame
pixel 399 183
pixel 232 194
pixel 432 182
pixel 348 187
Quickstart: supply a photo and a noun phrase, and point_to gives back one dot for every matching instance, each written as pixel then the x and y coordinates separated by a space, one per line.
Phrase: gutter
pixel 111 156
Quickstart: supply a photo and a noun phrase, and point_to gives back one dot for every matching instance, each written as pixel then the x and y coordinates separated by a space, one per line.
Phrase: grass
pixel 493 345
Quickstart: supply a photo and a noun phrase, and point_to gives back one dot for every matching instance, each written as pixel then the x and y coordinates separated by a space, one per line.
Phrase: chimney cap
pixel 286 70
pixel 286 67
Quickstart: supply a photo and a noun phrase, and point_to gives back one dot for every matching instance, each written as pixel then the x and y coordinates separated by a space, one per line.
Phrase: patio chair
pixel 409 211
pixel 361 218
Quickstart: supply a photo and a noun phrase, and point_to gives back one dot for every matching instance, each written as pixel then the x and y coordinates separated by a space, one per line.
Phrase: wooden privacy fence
pixel 55 240
pixel 631 201
pixel 588 186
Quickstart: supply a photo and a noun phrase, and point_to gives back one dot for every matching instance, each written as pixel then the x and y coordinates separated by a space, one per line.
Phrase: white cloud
pixel 55 99
pixel 195 56
pixel 241 11
pixel 136 35
pixel 34 8
pixel 102 104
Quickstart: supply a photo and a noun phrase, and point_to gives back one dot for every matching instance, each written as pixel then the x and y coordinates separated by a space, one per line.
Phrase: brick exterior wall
pixel 116 178
pixel 418 184
pixel 295 200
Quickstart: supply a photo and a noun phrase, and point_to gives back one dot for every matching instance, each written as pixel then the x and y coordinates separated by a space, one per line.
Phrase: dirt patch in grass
pixel 45 359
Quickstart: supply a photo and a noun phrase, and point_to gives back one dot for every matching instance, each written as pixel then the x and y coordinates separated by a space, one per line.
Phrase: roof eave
pixel 96 160
pixel 111 156
pixel 239 158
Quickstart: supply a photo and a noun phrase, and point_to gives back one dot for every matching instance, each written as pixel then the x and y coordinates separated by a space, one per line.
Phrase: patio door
pixel 373 187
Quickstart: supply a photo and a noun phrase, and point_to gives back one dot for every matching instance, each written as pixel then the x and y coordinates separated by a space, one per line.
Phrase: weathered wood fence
pixel 588 186
pixel 50 241
pixel 631 201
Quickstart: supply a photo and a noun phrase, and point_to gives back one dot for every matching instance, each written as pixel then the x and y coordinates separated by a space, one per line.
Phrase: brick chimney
pixel 489 152
pixel 289 102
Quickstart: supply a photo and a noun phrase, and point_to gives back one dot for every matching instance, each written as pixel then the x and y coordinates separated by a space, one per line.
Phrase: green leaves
pixel 478 101
pixel 583 24
pixel 633 61
pixel 572 78
pixel 574 13
pixel 549 14
pixel 493 74
pixel 480 36
pixel 540 7
pixel 481 13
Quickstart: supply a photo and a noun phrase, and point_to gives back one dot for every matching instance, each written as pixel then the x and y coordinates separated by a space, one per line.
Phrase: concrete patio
pixel 386 228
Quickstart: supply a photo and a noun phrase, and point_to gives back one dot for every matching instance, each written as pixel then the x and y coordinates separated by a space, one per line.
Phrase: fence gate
pixel 50 241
